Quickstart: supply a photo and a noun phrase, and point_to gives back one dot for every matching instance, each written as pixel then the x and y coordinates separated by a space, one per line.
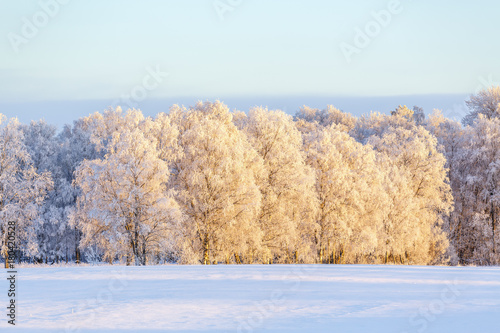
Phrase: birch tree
pixel 43 147
pixel 485 102
pixel 22 191
pixel 327 117
pixel 479 180
pixel 126 206
pixel 288 194
pixel 415 152
pixel 450 136
pixel 216 183
pixel 349 193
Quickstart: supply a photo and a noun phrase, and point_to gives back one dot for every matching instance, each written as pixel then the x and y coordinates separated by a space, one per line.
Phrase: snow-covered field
pixel 276 298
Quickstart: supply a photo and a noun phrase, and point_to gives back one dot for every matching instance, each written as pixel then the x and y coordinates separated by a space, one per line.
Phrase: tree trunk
pixel 134 252
pixel 77 242
pixel 493 232
pixel 206 251
pixel 328 252
pixel 6 255
pixel 238 259
pixel 144 258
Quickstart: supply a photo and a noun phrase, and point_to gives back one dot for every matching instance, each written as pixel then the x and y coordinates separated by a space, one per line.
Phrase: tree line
pixel 206 185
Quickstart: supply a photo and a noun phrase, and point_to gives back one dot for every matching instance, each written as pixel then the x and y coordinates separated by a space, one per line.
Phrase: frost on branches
pixel 126 209
pixel 22 190
pixel 286 217
pixel 206 185
pixel 215 179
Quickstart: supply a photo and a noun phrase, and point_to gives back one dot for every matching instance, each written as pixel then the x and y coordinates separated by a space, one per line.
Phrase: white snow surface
pixel 254 298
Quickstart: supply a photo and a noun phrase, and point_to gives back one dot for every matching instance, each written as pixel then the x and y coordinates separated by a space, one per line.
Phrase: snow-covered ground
pixel 276 298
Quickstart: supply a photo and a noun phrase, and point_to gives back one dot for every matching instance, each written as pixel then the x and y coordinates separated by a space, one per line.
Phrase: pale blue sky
pixel 93 52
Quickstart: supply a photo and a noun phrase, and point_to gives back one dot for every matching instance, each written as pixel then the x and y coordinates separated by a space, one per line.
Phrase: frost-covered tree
pixel 414 151
pixel 486 102
pixel 43 147
pixel 22 190
pixel 418 115
pixel 349 191
pixel 400 225
pixel 102 126
pixel 166 133
pixel 75 147
pixel 327 117
pixel 206 185
pixel 478 176
pixel 215 179
pixel 375 124
pixel 449 134
pixel 288 195
pixel 404 112
pixel 126 207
